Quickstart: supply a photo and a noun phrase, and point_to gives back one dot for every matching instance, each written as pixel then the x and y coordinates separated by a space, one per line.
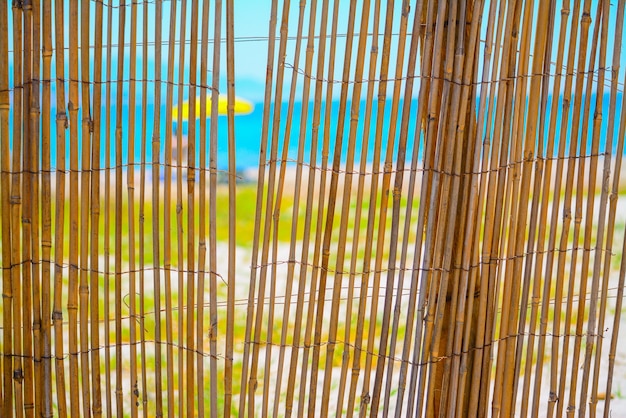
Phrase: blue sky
pixel 251 30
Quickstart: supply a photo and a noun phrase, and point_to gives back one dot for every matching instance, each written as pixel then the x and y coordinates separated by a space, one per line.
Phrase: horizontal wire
pixel 320 168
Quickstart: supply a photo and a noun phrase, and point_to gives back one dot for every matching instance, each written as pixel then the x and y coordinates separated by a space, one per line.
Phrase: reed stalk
pixel 46 207
pixel 191 181
pixel 34 113
pixel 16 208
pixel 232 201
pixel 180 248
pixel 62 125
pixel 94 283
pixel 5 190
pixel 130 185
pixel 213 318
pixel 119 134
pixel 156 236
pixel 202 214
pixel 143 392
pixel 167 199
pixel 107 221
pixel 85 183
pixel 28 179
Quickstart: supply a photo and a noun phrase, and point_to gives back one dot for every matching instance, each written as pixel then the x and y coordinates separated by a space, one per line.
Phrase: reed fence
pixel 434 226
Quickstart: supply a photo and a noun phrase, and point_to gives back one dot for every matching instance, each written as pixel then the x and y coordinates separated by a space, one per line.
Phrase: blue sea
pixel 248 133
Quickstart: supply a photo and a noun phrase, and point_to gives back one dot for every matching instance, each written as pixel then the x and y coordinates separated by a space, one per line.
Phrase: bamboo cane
pixel 85 182
pixel 142 213
pixel 130 185
pixel 35 175
pixel 61 119
pixel 119 134
pixel 232 200
pixel 202 213
pixel 215 82
pixel 28 180
pixel 180 267
pixel 167 198
pixel 191 181
pixel 107 222
pixel 156 239
pixel 16 209
pixel 46 215
pixel 74 221
pixel 94 300
pixel 5 177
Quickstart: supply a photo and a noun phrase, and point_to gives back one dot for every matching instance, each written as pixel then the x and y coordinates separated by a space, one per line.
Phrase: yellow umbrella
pixel 242 107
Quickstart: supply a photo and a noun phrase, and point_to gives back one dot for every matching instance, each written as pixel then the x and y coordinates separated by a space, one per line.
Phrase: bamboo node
pixel 18 375
pixel 553 397
pixel 57 316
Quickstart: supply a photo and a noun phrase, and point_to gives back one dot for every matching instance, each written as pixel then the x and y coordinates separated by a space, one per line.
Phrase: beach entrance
pixel 313 208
